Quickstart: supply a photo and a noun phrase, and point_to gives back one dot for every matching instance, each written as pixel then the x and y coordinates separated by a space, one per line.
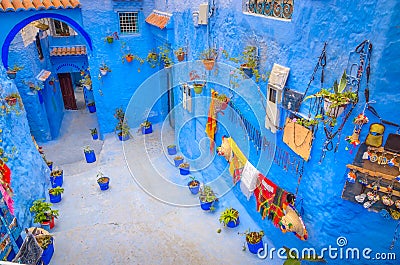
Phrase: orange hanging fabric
pixel 211 125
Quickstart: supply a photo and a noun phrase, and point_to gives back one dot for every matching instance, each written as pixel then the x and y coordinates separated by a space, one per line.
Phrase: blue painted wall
pixel 297 44
pixel 29 173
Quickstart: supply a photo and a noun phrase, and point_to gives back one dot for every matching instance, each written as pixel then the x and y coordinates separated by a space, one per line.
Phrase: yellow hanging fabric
pixel 238 160
pixel 211 125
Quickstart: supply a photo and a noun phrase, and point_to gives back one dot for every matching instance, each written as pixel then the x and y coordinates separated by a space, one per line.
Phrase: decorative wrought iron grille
pixel 128 22
pixel 270 8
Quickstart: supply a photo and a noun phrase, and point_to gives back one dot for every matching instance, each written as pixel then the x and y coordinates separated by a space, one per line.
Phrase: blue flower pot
pixel 12 75
pixel 123 138
pixel 205 205
pixel 253 248
pixel 90 156
pixel 171 150
pixel 195 189
pixel 50 166
pixel 248 72
pixel 57 181
pixel 55 198
pixel 48 253
pixel 147 130
pixel 233 224
pixel 184 171
pixel 95 136
pixel 178 162
pixel 92 108
pixel 104 186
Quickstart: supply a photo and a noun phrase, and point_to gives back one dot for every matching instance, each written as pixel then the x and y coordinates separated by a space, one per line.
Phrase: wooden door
pixel 67 91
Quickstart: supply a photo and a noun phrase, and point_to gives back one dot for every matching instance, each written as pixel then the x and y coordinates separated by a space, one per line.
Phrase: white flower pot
pixel 333 112
pixel 103 72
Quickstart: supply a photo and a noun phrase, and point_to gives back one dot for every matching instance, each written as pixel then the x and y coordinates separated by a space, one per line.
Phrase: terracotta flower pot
pixel 129 58
pixel 209 64
pixel 180 56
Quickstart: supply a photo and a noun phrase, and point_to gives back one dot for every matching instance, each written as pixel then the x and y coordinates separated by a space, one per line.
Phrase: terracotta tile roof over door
pixel 158 20
pixel 23 5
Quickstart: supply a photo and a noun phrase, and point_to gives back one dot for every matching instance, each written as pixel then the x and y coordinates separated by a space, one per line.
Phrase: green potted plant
pixel 152 59
pixel 208 56
pixel 94 133
pixel 12 99
pixel 12 72
pixel 110 38
pixel 104 69
pixel 164 53
pixel 146 127
pixel 128 57
pixel 184 168
pixel 123 130
pixel 43 213
pixel 180 54
pixel 86 82
pixel 55 194
pixel 103 181
pixel 207 198
pixel 229 217
pixel 250 62
pixel 194 185
pixel 222 101
pixel 336 98
pixel 254 240
pixel 90 156
pixel 178 160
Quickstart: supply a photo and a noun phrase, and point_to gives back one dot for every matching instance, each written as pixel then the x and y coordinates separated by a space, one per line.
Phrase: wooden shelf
pixel 370 172
pixel 385 190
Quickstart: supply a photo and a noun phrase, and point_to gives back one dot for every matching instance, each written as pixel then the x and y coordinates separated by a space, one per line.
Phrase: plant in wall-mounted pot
pixel 336 99
pixel 55 194
pixel 12 99
pixel 229 217
pixel 152 59
pixel 12 72
pixel 52 80
pixel 194 185
pixel 103 181
pixel 209 56
pixel 89 154
pixel 178 160
pixel 104 69
pixel 110 38
pixel 57 178
pixel 164 53
pixel 180 54
pixel 128 57
pixel 250 62
pixel 171 149
pixel 207 198
pixel 43 213
pixel 146 127
pixel 221 101
pixel 94 133
pixel 184 168
pixel 253 240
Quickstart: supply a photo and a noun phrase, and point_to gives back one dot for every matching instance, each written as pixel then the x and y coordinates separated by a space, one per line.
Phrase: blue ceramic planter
pixel 50 166
pixel 184 171
pixel 48 253
pixel 55 198
pixel 95 136
pixel 90 156
pixel 171 150
pixel 104 185
pixel 248 72
pixel 57 181
pixel 253 248
pixel 194 189
pixel 147 130
pixel 205 205
pixel 123 138
pixel 11 75
pixel 92 108
pixel 178 162
pixel 233 224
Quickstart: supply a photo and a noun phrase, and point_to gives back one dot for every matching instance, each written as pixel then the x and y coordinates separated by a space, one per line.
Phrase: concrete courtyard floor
pixel 124 224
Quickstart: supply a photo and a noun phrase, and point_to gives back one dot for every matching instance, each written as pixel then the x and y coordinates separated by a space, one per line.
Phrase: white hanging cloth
pixel 248 181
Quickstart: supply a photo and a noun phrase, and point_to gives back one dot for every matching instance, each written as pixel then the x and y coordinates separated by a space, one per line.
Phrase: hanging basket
pixel 198 88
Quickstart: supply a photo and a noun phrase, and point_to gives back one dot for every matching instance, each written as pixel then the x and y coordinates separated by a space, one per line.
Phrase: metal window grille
pixel 270 8
pixel 128 22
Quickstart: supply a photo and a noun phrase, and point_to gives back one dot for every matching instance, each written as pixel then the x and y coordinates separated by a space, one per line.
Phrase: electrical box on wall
pixel 203 14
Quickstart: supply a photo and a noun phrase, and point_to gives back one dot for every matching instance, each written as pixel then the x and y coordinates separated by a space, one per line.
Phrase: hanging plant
pixel 180 54
pixel 104 69
pixel 12 72
pixel 209 56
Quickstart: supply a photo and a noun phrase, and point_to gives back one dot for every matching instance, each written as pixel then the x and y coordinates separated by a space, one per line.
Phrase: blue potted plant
pixel 207 198
pixel 171 149
pixel 55 194
pixel 229 217
pixel 254 240
pixel 194 185
pixel 89 154
pixel 94 134
pixel 178 160
pixel 184 168
pixel 103 181
pixel 57 178
pixel 92 107
pixel 146 127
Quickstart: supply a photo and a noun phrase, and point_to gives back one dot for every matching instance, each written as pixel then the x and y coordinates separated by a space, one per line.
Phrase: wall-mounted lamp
pixel 195 18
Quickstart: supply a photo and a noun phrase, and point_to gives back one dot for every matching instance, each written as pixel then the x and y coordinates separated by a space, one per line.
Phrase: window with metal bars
pixel 128 22
pixel 282 9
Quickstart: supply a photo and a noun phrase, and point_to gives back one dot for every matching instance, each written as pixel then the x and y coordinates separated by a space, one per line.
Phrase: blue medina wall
pixel 116 88
pixel 297 44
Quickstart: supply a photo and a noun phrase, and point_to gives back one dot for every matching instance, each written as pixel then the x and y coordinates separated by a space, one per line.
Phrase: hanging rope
pixel 396 236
